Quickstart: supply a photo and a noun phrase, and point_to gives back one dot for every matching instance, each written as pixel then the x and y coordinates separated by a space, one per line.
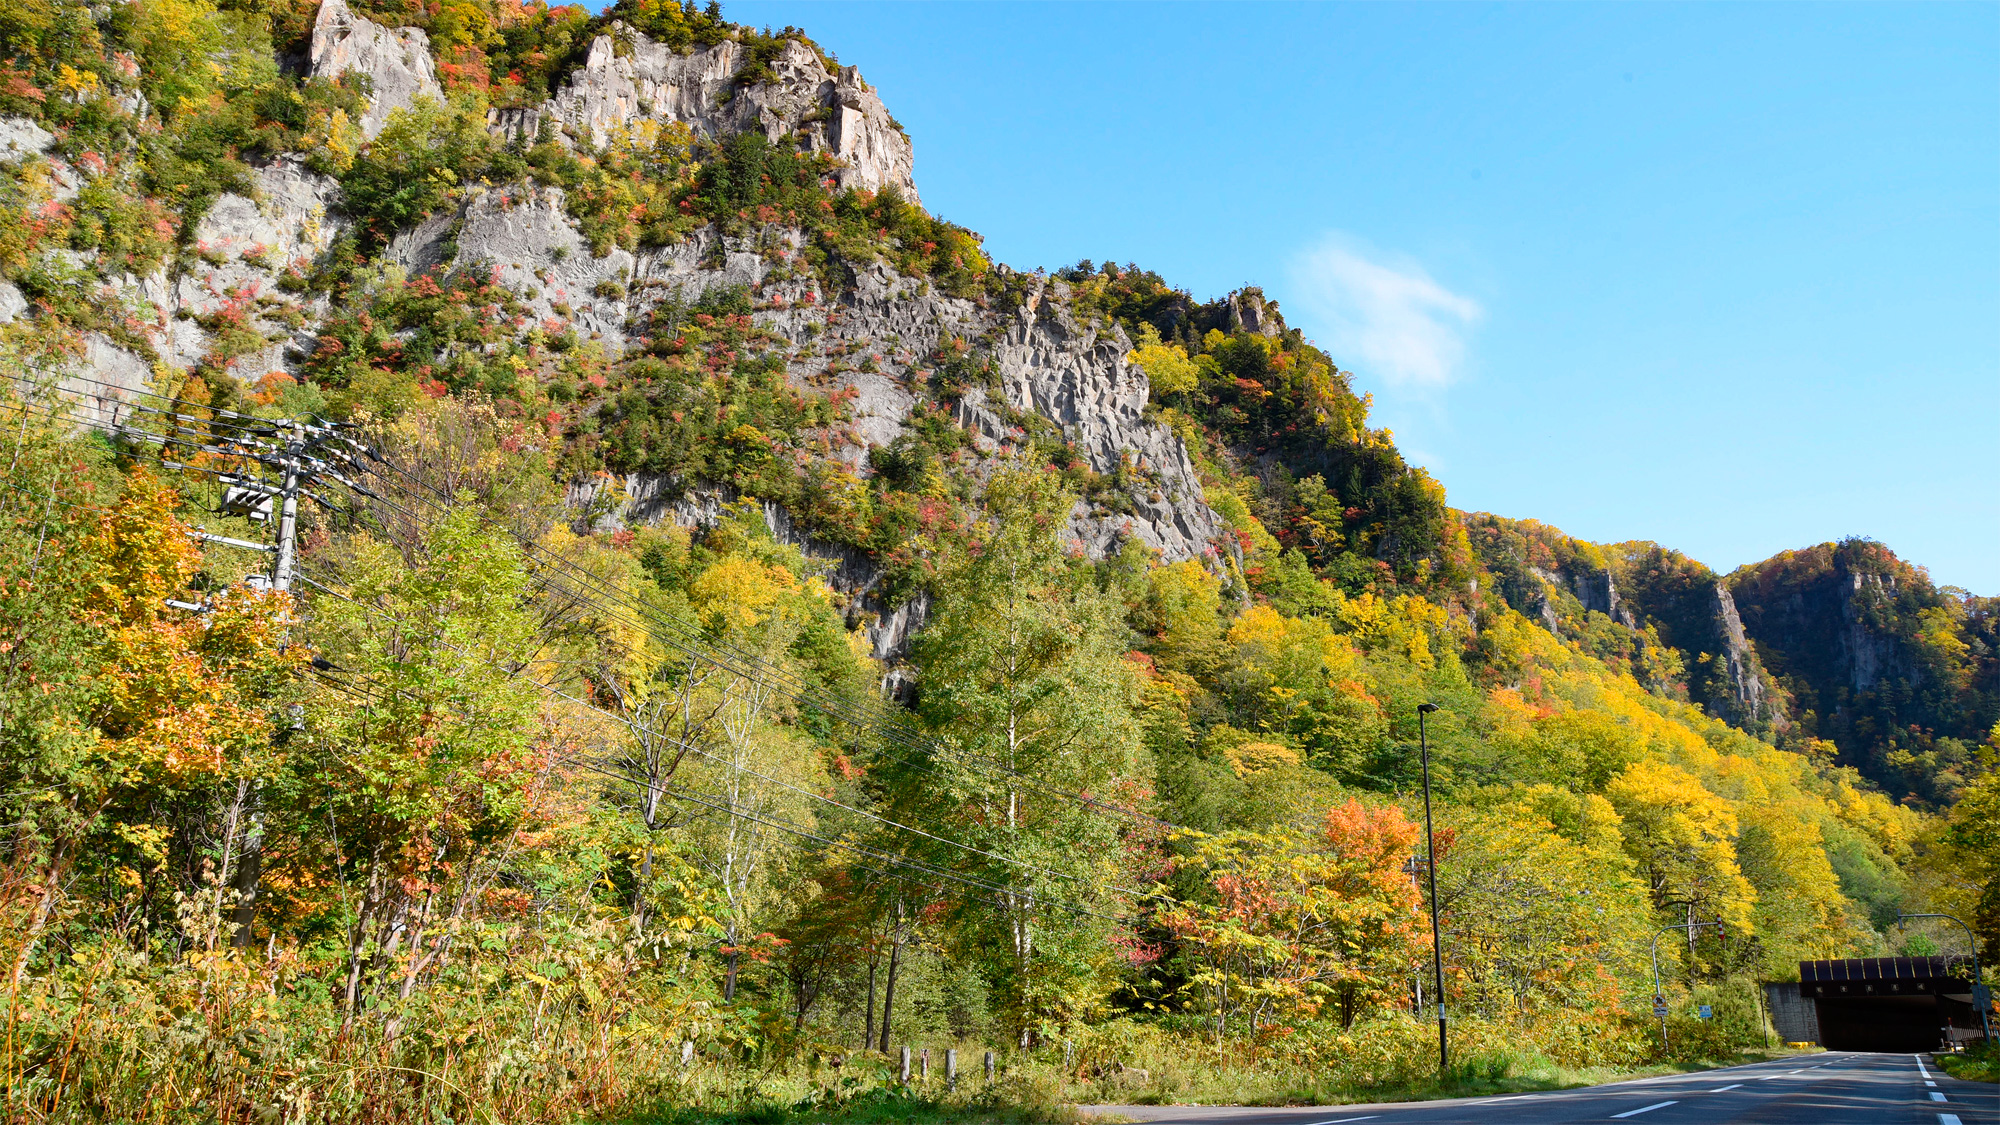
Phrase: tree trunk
pixel 249 873
pixel 889 992
pixel 868 1030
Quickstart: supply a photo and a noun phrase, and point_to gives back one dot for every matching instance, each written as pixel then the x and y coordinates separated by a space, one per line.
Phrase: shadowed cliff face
pixel 1670 620
pixel 1902 677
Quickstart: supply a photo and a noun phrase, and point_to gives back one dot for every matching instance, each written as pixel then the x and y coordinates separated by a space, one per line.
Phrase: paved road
pixel 1837 1088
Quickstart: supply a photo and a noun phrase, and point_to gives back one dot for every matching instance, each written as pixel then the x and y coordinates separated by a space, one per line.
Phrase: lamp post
pixel 1979 993
pixel 1660 996
pixel 1430 847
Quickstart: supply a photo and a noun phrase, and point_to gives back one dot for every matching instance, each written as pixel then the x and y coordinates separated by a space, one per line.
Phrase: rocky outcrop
pixel 1249 312
pixel 1045 361
pixel 103 382
pixel 629 82
pixel 244 244
pixel 1751 703
pixel 1077 377
pixel 397 63
pixel 1870 654
pixel 21 138
pixel 868 334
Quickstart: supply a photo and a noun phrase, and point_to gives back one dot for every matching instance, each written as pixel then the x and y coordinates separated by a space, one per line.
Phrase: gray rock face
pixel 21 138
pixel 629 82
pixel 243 245
pixel 104 381
pixel 397 62
pixel 1248 312
pixel 1870 655
pixel 1047 362
pixel 1746 681
pixel 1077 377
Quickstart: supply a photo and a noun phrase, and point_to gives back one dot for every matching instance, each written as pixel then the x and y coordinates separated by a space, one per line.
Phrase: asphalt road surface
pixel 1836 1088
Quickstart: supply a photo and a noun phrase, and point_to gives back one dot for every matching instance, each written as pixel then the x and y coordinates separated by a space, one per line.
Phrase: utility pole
pixel 288 512
pixel 303 453
pixel 1659 996
pixel 1430 846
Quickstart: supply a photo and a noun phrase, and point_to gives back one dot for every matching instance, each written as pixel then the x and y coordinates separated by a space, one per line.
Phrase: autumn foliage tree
pixel 1301 919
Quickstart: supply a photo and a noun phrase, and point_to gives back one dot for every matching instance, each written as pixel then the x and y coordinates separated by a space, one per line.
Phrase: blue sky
pixel 1722 276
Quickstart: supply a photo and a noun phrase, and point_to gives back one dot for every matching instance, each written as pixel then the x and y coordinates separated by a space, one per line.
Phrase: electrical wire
pixel 1000 892
pixel 799 692
pixel 889 729
pixel 698 751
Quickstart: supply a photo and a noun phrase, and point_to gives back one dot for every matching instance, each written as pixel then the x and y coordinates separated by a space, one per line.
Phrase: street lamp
pixel 1430 846
pixel 1981 998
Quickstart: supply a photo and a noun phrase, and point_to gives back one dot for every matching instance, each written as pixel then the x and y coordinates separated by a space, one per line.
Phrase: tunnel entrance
pixel 1888 1003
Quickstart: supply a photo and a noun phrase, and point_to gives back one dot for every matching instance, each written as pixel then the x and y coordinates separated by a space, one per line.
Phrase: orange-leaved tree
pixel 1301 918
pixel 166 712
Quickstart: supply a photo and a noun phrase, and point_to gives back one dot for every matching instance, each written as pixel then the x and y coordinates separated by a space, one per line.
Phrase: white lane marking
pixel 1948 1119
pixel 1920 1066
pixel 1642 1109
pixel 1726 1089
pixel 1936 1096
pixel 1338 1120
pixel 1928 1082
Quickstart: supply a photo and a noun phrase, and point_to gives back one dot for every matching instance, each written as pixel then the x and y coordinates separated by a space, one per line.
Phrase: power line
pixel 790 686
pixel 795 830
pixel 698 751
pixel 890 729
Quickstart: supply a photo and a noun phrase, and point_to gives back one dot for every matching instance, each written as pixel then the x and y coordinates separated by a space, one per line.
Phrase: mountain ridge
pixel 892 358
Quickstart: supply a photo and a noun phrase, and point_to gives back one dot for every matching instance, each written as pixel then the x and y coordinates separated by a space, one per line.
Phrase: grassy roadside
pixel 1035 1096
pixel 1979 1064
pixel 1477 1078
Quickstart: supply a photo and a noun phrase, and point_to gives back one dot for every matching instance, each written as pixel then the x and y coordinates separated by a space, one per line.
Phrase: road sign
pixel 1660 1008
pixel 1707 1012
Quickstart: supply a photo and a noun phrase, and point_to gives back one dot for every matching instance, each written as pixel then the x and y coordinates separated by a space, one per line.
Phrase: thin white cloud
pixel 1382 315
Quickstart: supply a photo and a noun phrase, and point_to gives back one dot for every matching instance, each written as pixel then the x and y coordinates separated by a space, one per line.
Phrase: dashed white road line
pixel 1339 1120
pixel 1726 1089
pixel 1948 1119
pixel 1642 1109
pixel 1937 1096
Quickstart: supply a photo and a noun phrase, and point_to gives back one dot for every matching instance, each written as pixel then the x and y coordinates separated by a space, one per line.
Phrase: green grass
pixel 1034 1094
pixel 1003 1104
pixel 1979 1064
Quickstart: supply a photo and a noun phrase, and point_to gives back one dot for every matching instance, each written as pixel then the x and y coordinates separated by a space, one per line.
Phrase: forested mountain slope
pixel 761 620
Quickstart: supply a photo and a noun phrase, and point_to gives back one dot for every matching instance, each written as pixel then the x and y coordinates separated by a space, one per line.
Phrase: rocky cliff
pixel 708 237
pixel 249 247
pixel 1901 677
pixel 396 62
pixel 629 82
